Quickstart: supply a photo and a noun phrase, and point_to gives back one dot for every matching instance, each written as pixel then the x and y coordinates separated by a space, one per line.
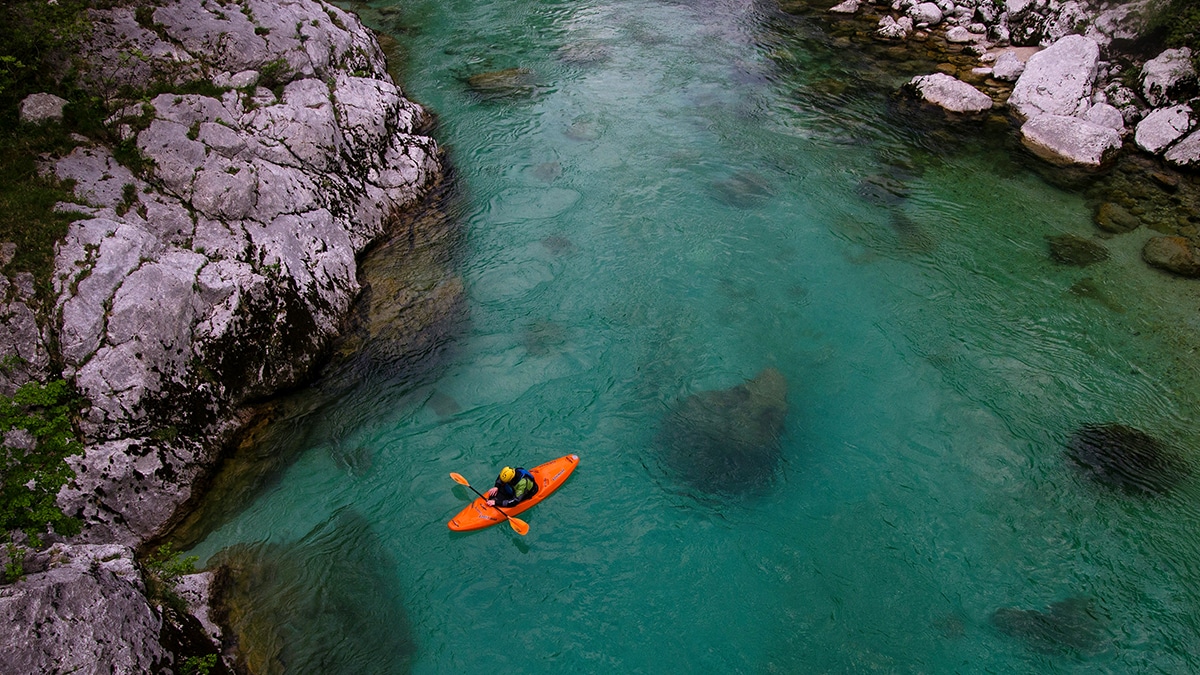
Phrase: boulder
pixel 959 35
pixel 1008 67
pixel 506 83
pixel 1169 77
pixel 86 612
pixel 1066 141
pixel 846 7
pixel 1112 217
pixel 1070 249
pixel 894 29
pixel 1105 115
pixel 1066 627
pixel 42 108
pixel 1161 128
pixel 1185 153
pixel 726 441
pixel 1173 254
pixel 1124 458
pixel 950 93
pixel 1057 80
pixel 926 13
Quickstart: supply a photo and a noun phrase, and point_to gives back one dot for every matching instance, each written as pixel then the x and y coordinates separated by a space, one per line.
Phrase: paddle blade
pixel 459 479
pixel 519 525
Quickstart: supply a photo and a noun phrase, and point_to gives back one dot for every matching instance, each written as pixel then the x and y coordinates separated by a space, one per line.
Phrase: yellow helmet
pixel 507 474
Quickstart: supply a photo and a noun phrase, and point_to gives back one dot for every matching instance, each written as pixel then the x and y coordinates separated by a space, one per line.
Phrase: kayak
pixel 549 476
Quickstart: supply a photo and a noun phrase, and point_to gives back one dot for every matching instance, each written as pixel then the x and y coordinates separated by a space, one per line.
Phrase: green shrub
pixel 163 569
pixel 31 478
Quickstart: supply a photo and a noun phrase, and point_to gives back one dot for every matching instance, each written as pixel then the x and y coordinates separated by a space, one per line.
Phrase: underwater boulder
pixel 727 440
pixel 742 189
pixel 507 83
pixel 327 603
pixel 1066 627
pixel 1070 249
pixel 1124 458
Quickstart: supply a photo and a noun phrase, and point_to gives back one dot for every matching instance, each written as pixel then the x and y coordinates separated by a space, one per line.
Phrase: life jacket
pixel 522 487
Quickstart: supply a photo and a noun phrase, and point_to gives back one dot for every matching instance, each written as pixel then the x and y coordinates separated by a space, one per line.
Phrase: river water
pixel 688 193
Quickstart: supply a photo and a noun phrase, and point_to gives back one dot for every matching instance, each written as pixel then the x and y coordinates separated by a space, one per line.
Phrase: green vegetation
pixel 199 665
pixel 1176 23
pixel 30 477
pixel 163 569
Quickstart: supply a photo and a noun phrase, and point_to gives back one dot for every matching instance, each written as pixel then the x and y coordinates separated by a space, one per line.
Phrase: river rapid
pixel 676 196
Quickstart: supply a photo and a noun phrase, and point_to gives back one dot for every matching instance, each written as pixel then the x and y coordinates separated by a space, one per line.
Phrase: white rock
pixel 1185 153
pixel 846 7
pixel 926 13
pixel 950 93
pixel 894 29
pixel 1066 140
pixel 1008 66
pixel 1161 128
pixel 86 613
pixel 1057 80
pixel 959 35
pixel 42 108
pixel 1164 74
pixel 1105 115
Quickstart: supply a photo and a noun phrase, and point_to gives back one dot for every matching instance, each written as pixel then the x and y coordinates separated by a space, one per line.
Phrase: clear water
pixel 695 206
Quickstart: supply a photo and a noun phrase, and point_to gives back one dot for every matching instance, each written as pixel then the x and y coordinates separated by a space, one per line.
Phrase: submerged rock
pixel 1173 254
pixel 327 603
pixel 507 83
pixel 1066 627
pixel 1114 218
pixel 743 189
pixel 727 441
pixel 1089 289
pixel 1124 458
pixel 1070 249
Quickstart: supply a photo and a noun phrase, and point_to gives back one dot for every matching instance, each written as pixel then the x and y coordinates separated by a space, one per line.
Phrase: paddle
pixel 519 525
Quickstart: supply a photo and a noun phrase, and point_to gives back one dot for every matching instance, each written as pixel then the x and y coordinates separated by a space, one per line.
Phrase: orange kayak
pixel 549 477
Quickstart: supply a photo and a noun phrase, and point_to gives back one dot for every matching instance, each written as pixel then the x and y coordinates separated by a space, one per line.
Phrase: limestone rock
pixel 1161 128
pixel 950 93
pixel 1105 115
pixel 1168 77
pixel 846 7
pixel 1064 140
pixel 1186 152
pixel 892 29
pixel 86 613
pixel 1057 80
pixel 1173 254
pixel 1008 67
pixel 221 271
pixel 926 13
pixel 42 108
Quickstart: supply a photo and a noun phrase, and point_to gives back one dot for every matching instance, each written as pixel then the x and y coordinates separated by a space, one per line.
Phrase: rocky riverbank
pixel 1087 87
pixel 263 148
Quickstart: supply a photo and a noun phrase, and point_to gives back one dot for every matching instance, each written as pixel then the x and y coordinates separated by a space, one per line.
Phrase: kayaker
pixel 512 486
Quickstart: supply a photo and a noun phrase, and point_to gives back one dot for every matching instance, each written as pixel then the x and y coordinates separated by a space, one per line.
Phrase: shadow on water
pixel 328 603
pixel 404 322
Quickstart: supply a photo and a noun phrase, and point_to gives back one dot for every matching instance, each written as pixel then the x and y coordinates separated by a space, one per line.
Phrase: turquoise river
pixel 684 194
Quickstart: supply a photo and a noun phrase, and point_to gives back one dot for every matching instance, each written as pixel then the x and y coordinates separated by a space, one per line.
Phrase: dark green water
pixel 694 192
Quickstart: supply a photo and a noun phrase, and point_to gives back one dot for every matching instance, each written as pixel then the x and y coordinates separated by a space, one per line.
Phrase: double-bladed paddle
pixel 519 525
